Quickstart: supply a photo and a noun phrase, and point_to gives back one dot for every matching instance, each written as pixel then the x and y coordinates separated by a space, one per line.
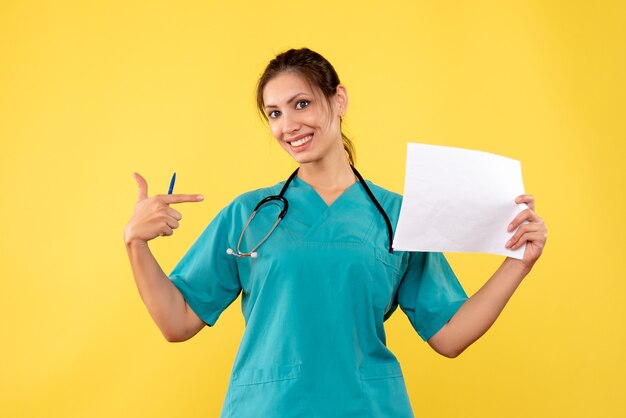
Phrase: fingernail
pixel 508 244
pixel 200 197
pixel 508 228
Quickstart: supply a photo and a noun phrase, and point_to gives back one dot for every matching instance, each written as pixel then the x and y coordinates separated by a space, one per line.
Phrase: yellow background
pixel 92 91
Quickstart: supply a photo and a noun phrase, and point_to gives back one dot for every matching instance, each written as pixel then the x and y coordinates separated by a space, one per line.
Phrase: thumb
pixel 142 187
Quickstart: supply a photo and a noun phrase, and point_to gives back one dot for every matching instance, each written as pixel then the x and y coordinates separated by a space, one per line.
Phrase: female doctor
pixel 315 267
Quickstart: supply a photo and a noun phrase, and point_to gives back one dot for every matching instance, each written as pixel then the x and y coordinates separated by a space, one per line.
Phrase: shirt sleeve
pixel 429 293
pixel 206 276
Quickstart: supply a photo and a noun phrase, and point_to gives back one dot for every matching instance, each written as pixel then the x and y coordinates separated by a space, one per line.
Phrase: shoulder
pixel 390 201
pixel 246 202
pixel 234 215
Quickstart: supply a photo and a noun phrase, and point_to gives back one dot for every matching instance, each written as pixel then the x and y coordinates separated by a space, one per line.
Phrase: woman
pixel 318 287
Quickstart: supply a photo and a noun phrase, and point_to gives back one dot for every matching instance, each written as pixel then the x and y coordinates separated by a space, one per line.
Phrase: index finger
pixel 180 198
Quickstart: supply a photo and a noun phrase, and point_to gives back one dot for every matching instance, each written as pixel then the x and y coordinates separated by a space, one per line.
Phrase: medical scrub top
pixel 314 302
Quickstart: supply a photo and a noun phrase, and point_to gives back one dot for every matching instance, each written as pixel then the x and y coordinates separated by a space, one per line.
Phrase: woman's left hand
pixel 534 232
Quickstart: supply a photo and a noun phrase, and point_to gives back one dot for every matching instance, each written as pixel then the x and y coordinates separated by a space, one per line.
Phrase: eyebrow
pixel 288 101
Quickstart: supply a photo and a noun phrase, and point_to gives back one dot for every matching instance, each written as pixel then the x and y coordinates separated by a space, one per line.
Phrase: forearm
pixel 480 311
pixel 165 303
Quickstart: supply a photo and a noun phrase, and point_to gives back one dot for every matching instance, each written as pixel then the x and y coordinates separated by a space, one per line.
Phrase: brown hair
pixel 316 70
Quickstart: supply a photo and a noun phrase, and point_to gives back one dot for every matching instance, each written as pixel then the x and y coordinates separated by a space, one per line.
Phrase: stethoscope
pixel 280 197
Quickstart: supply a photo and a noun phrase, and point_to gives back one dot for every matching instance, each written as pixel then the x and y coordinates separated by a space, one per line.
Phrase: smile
pixel 301 141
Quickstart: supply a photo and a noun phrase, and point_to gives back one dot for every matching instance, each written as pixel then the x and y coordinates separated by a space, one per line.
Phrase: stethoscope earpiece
pixel 253 254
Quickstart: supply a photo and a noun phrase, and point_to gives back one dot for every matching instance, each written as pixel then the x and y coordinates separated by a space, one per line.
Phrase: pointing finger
pixel 181 198
pixel 142 192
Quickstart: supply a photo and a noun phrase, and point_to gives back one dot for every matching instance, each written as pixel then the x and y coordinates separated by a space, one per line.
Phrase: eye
pixel 273 114
pixel 302 104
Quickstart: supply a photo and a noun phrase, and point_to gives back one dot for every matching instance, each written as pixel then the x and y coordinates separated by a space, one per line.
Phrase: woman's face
pixel 301 120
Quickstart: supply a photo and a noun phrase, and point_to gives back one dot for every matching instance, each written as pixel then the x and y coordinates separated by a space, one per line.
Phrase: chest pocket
pixel 392 267
pixel 394 262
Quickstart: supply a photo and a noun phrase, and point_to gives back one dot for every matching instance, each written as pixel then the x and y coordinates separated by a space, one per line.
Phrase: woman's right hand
pixel 153 217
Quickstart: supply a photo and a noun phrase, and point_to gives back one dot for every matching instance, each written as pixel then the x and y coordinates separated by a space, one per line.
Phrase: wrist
pixel 133 242
pixel 519 265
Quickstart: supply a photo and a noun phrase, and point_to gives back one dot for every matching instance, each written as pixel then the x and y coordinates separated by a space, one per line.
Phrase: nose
pixel 290 123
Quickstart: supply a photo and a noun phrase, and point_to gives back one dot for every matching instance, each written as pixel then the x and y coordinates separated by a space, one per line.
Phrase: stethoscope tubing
pixel 280 197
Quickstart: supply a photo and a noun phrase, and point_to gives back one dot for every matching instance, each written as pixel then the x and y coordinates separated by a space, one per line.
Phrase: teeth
pixel 301 141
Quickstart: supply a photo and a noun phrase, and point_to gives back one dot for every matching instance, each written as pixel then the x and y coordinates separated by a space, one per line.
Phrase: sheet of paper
pixel 458 200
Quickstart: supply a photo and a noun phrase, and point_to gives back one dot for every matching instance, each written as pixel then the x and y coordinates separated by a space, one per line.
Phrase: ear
pixel 341 100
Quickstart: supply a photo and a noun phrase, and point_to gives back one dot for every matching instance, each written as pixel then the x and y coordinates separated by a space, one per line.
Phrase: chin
pixel 305 159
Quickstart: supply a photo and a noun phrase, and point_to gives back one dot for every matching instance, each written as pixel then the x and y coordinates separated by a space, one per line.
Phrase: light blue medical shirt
pixel 314 302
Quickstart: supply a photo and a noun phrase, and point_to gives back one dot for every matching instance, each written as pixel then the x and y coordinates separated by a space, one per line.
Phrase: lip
pixel 295 138
pixel 302 147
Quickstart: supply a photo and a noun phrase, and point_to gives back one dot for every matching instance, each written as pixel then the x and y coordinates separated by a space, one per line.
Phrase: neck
pixel 328 174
